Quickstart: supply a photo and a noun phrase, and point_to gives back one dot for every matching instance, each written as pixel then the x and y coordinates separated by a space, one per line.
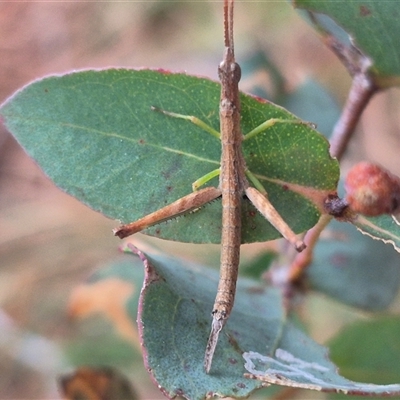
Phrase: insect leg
pixel 271 122
pixel 190 118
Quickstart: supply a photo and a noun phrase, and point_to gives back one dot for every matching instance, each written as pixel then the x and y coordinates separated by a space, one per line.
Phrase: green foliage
pixel 100 348
pixel 309 97
pixel 310 101
pixel 95 135
pixel 129 161
pixel 369 350
pixel 374 29
pixel 174 316
pixel 384 227
pixel 174 323
pixel 355 269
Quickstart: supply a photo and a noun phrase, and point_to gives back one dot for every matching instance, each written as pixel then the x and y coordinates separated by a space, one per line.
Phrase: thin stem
pixel 353 60
pixel 361 91
pixel 303 259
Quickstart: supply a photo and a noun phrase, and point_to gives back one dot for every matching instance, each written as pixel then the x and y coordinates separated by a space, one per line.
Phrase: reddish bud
pixel 372 190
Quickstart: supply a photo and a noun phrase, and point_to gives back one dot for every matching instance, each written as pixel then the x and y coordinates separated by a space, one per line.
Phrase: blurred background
pixel 50 244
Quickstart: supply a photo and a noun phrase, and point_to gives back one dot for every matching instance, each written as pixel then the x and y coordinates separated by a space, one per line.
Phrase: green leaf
pixel 95 135
pixel 98 348
pixel 259 62
pixel 258 266
pixel 174 322
pixel 311 102
pixel 385 228
pixel 369 351
pixel 257 342
pixel 354 268
pixel 374 29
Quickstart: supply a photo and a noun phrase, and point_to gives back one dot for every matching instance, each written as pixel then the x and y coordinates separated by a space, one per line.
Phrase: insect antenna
pixel 228 24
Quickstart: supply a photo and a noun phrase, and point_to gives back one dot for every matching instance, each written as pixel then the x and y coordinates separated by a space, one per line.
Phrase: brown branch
pixel 361 91
pixel 303 260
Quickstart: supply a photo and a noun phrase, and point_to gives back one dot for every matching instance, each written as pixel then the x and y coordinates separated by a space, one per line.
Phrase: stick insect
pixel 234 180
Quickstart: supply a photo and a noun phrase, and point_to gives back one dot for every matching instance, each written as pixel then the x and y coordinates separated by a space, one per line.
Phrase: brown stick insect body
pixel 233 185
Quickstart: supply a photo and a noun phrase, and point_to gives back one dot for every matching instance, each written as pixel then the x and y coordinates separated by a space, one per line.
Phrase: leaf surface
pixel 174 323
pixel 354 268
pixel 312 102
pixel 373 27
pixel 361 356
pixel 309 101
pixel 95 135
pixel 257 342
pixel 385 228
